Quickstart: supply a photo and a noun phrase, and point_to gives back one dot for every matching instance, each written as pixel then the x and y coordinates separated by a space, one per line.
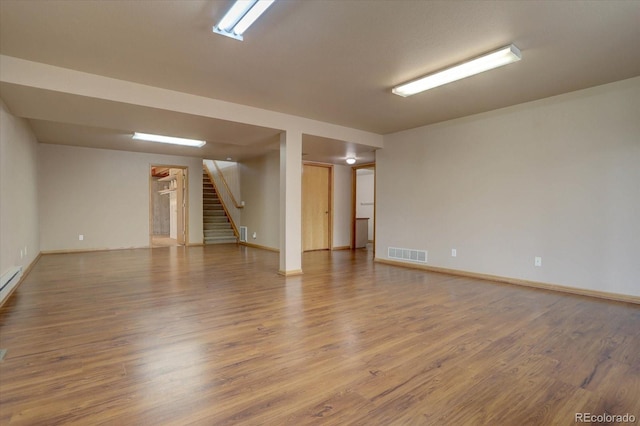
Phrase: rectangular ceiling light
pixel 168 139
pixel 495 59
pixel 240 17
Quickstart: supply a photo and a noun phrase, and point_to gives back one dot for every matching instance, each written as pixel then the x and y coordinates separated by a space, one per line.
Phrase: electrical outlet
pixel 537 261
pixel 454 252
pixel 80 237
pixel 255 235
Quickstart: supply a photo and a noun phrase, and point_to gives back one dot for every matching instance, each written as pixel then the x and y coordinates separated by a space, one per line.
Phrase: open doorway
pixel 364 207
pixel 168 206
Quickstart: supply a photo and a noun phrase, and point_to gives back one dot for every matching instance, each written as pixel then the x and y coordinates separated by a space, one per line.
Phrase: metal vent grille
pixel 410 255
pixel 243 234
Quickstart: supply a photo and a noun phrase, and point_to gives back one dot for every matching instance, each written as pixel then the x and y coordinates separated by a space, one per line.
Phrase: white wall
pixel 557 178
pixel 18 192
pixel 104 195
pixel 260 188
pixel 341 206
pixel 231 172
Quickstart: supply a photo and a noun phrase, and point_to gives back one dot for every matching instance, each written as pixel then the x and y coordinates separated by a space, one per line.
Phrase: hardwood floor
pixel 214 336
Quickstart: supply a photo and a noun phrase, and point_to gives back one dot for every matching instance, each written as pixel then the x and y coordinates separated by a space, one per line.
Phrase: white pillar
pixel 291 203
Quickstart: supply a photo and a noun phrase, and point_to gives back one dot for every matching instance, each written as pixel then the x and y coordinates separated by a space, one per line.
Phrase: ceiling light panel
pixel 168 139
pixel 240 17
pixel 503 56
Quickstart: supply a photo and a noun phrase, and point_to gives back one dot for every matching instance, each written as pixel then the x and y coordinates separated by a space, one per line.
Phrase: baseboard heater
pixel 8 281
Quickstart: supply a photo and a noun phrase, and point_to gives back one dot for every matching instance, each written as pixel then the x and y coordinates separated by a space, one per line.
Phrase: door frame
pixel 185 196
pixel 330 201
pixel 354 188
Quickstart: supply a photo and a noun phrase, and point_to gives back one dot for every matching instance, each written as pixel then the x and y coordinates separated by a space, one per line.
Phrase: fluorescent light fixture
pixel 242 14
pixel 351 160
pixel 495 59
pixel 168 139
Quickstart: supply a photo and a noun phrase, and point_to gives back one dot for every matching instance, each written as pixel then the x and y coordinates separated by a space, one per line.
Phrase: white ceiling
pixel 333 61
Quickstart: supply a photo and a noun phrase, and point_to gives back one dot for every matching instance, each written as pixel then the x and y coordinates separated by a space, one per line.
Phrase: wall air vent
pixel 410 255
pixel 243 234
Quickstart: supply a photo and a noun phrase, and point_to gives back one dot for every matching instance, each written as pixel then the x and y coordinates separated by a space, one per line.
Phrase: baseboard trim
pixel 515 281
pixel 258 246
pixel 341 248
pixel 26 272
pixel 73 251
pixel 291 273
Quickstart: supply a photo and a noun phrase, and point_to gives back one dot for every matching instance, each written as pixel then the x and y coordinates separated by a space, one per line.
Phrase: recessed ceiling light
pixel 240 17
pixel 168 139
pixel 495 59
pixel 351 160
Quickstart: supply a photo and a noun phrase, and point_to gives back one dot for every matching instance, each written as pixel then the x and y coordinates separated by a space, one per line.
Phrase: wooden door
pixel 316 207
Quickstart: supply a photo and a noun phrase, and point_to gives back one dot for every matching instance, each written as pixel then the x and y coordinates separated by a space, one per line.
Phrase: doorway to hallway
pixel 364 207
pixel 168 206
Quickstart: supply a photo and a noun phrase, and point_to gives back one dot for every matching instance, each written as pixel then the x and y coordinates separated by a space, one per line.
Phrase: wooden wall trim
pixel 291 273
pixel 73 251
pixel 515 281
pixel 258 246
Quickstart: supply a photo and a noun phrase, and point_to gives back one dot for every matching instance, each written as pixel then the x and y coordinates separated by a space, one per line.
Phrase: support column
pixel 291 203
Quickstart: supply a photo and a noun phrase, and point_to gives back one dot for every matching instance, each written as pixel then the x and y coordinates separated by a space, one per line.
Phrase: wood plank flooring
pixel 213 336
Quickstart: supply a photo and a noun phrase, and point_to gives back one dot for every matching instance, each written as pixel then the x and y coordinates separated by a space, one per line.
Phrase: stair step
pixel 216 219
pixel 214 240
pixel 214 213
pixel 218 225
pixel 217 228
pixel 219 234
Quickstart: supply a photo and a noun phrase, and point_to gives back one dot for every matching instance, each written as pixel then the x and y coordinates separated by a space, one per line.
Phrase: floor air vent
pixel 407 254
pixel 243 234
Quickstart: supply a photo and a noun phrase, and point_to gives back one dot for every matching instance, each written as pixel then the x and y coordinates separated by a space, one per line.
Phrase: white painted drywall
pixel 260 185
pixel 341 206
pixel 18 192
pixel 104 195
pixel 557 178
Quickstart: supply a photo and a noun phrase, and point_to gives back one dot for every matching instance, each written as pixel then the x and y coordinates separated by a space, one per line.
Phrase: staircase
pixel 216 225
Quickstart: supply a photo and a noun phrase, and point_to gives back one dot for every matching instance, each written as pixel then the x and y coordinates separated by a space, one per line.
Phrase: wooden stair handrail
pixel 226 211
pixel 226 185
